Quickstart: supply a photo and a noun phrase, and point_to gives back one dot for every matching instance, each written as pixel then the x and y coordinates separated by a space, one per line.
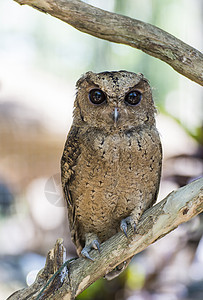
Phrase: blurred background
pixel 41 58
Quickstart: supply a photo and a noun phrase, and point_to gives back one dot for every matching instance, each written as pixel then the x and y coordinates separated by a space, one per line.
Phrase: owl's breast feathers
pixel 104 176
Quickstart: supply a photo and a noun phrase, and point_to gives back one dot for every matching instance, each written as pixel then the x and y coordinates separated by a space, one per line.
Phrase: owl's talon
pixel 91 243
pixel 124 225
pixel 125 232
pixel 85 253
pixel 96 245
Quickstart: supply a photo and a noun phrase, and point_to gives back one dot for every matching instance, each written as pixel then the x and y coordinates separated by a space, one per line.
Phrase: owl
pixel 111 164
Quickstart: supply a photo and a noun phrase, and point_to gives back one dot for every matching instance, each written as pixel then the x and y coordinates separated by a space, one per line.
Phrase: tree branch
pixel 121 29
pixel 75 276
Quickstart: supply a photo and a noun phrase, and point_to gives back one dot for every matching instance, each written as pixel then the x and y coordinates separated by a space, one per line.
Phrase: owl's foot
pixel 91 243
pixel 128 221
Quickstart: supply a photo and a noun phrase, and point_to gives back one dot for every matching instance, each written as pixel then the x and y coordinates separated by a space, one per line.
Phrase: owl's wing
pixel 68 161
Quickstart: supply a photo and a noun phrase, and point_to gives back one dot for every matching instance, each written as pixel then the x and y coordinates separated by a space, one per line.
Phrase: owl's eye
pixel 97 96
pixel 133 98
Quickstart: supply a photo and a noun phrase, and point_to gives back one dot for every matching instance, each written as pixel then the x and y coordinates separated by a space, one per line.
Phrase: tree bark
pixel 121 29
pixel 75 276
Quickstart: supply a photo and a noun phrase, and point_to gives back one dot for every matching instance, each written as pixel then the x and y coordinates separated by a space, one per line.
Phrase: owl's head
pixel 113 101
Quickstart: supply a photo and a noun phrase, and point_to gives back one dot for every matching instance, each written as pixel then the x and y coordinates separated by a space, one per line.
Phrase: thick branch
pixel 121 29
pixel 178 207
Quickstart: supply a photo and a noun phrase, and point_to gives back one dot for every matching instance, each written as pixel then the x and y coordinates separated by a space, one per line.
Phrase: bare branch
pixel 178 207
pixel 121 29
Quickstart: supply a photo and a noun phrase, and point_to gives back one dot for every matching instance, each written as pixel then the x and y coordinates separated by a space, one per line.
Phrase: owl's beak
pixel 115 115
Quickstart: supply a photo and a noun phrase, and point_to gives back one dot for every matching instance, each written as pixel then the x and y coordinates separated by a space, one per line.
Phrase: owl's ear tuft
pixel 84 77
pixel 140 75
pixel 143 78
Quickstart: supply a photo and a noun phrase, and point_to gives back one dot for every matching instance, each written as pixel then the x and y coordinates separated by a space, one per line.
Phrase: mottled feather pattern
pixel 111 165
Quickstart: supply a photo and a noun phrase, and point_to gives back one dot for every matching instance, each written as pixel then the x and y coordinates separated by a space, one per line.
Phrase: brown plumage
pixel 111 163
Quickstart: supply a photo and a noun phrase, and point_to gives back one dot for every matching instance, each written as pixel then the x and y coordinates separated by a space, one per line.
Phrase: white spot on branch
pixel 83 284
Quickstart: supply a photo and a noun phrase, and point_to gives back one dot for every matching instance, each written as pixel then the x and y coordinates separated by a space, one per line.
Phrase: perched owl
pixel 111 164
